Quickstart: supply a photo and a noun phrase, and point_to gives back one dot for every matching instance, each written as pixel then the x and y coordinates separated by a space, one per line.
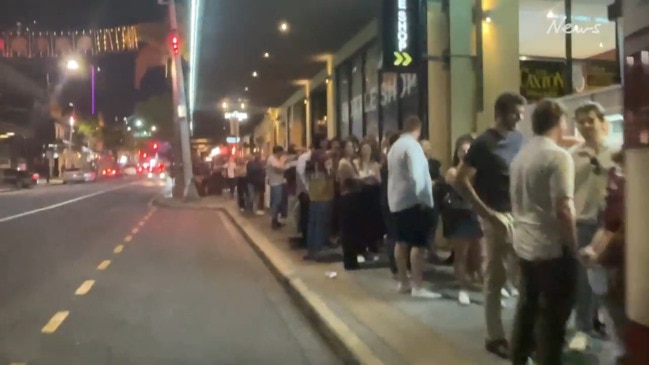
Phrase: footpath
pixel 361 313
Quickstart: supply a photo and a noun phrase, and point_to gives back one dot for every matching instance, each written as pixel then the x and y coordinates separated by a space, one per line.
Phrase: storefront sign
pixel 542 79
pixel 600 73
pixel 399 31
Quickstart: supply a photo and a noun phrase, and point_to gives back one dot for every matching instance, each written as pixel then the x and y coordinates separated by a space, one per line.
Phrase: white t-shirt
pixel 540 174
pixel 274 177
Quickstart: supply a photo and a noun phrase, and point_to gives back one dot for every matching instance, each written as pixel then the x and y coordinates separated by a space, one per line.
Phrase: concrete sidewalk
pixel 363 315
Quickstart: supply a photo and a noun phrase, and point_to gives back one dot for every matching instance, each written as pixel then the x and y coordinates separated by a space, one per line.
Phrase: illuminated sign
pixel 400 35
pixel 233 140
pixel 236 115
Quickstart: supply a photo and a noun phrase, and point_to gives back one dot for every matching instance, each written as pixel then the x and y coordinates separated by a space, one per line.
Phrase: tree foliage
pixel 157 111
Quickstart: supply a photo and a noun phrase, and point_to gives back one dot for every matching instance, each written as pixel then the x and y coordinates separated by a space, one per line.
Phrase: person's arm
pixel 451 176
pixel 463 181
pixel 419 173
pixel 562 187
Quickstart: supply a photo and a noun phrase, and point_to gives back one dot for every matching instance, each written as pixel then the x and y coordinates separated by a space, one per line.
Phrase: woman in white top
pixel 369 220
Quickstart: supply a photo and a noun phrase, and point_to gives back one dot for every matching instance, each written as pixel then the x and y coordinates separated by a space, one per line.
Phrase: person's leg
pixel 304 215
pixel 275 202
pixel 293 216
pixel 250 198
pixel 557 282
pixel 283 211
pixel 522 342
pixel 346 225
pixel 475 261
pixel 585 304
pixel 401 256
pixel 312 230
pixel 495 277
pixel 461 250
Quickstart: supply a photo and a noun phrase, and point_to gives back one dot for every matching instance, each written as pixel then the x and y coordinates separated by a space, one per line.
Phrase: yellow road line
pixel 85 287
pixel 18 363
pixel 128 238
pixel 54 323
pixel 135 230
pixel 104 264
pixel 118 249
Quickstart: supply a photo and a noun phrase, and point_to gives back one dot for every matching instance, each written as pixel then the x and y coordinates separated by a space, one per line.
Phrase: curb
pixel 164 203
pixel 345 343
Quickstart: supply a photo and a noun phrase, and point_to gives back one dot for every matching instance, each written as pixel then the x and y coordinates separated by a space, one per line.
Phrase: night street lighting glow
pixel 224 105
pixel 138 123
pixel 255 74
pixel 154 128
pixel 195 15
pixel 266 55
pixel 283 27
pixel 72 65
pixel 71 121
pixel 246 89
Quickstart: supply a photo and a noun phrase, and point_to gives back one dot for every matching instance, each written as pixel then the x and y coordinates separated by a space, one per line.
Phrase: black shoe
pixel 499 348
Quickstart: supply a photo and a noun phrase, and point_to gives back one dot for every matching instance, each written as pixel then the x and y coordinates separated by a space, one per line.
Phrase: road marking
pixel 57 205
pixel 18 363
pixel 55 322
pixel 85 287
pixel 142 223
pixel 135 231
pixel 128 238
pixel 104 264
pixel 118 249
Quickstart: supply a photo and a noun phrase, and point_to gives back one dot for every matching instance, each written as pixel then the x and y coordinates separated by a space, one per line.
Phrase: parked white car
pixel 78 176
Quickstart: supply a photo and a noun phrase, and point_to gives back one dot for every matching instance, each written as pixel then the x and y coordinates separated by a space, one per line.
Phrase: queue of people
pixel 529 219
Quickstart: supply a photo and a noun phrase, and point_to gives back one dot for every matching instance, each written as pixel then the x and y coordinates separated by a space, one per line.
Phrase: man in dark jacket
pixel 256 173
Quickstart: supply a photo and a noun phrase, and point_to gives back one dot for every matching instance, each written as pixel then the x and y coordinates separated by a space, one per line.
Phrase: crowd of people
pixel 524 218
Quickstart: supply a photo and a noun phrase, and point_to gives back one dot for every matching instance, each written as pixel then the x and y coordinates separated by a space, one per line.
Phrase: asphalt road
pixel 92 275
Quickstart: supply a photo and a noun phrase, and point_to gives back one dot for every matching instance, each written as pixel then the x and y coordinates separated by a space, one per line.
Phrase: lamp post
pixel 74 66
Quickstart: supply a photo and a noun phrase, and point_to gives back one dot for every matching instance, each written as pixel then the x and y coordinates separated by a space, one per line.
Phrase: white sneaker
pixel 504 293
pixel 404 289
pixel 514 292
pixel 579 342
pixel 259 212
pixel 464 298
pixel 425 293
pixel 360 259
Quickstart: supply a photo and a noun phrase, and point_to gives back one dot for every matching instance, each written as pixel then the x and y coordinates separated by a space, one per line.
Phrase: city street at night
pixel 94 274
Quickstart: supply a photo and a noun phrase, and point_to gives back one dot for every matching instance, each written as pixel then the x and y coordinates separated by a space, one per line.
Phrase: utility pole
pixel 180 110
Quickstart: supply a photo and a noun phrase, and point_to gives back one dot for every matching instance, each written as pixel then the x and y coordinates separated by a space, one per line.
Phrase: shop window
pixel 372 97
pixel 409 95
pixel 389 102
pixel 343 84
pixel 357 96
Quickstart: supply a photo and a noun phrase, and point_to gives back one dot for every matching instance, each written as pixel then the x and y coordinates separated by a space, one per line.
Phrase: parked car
pixel 20 179
pixel 131 170
pixel 78 176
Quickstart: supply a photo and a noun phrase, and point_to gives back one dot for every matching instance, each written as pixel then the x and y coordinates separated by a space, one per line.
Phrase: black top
pixel 256 173
pixel 491 154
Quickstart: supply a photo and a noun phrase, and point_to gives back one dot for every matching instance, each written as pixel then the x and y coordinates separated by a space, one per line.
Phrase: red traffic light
pixel 175 43
pixel 155 146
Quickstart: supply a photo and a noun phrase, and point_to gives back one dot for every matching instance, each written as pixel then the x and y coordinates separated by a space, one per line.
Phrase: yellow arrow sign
pixel 402 59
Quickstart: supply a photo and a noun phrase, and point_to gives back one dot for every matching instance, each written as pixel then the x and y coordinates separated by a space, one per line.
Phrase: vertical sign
pixel 400 35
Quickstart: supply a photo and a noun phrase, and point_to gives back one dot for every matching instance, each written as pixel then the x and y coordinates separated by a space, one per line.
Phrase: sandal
pixel 499 348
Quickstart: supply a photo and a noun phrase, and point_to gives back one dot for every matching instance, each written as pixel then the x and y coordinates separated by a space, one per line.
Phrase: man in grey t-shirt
pixel 544 238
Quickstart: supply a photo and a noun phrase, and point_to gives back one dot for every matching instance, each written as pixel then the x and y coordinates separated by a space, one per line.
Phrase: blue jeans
pixel 276 199
pixel 586 304
pixel 319 225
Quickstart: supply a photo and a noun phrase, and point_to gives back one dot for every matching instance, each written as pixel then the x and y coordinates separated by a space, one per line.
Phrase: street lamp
pixel 71 130
pixel 154 128
pixel 138 123
pixel 72 65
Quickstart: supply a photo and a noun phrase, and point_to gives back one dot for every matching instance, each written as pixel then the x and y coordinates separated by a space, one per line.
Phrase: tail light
pixel 35 177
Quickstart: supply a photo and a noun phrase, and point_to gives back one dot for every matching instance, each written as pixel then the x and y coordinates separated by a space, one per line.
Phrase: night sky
pixel 234 36
pixel 114 87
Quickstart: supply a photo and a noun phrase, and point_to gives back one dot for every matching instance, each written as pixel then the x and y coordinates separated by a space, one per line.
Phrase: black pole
pixel 569 87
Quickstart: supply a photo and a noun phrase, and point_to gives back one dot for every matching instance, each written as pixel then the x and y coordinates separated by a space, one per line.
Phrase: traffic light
pixel 175 43
pixel 155 146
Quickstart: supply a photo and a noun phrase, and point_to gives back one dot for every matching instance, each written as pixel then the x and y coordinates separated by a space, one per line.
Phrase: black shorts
pixel 413 225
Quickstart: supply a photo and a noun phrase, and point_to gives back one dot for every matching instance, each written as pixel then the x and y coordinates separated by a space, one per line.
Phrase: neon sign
pixel 399 31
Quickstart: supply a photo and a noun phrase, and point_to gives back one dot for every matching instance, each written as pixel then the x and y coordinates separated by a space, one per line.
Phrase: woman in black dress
pixel 461 227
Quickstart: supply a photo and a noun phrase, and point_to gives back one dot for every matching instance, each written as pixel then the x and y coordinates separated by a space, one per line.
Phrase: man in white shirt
pixel 303 194
pixel 593 159
pixel 410 199
pixel 544 238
